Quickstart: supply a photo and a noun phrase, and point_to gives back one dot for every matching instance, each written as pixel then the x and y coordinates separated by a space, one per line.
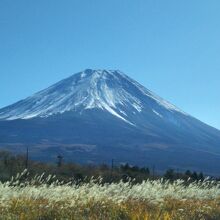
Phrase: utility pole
pixel 59 162
pixel 112 164
pixel 112 167
pixel 27 158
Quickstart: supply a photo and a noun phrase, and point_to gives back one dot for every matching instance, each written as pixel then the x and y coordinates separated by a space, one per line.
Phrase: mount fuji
pixel 96 115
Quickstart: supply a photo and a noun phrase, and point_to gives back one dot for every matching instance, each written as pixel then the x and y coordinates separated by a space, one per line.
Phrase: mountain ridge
pixel 115 115
pixel 91 79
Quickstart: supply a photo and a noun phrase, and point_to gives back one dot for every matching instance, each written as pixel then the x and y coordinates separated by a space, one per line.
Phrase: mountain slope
pixel 95 115
pixel 108 90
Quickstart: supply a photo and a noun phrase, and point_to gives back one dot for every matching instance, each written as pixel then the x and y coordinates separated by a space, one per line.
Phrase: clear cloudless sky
pixel 172 47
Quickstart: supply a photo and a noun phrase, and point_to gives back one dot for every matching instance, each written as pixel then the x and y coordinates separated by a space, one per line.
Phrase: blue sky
pixel 171 47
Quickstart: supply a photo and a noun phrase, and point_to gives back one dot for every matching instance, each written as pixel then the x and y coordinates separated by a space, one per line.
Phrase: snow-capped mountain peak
pixel 97 115
pixel 108 90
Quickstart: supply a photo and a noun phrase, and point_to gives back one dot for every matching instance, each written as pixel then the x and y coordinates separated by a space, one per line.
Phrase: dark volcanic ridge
pixel 96 115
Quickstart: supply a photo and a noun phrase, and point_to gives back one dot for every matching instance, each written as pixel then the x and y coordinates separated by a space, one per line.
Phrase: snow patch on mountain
pixel 108 90
pixel 158 114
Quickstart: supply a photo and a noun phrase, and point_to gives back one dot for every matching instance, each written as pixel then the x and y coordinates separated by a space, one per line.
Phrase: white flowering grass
pixel 73 196
pixel 152 191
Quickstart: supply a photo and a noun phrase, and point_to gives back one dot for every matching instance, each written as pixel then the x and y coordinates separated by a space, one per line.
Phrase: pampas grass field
pixel 45 198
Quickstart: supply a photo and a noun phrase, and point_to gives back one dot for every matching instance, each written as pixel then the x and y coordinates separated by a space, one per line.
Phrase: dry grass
pixel 36 199
pixel 41 209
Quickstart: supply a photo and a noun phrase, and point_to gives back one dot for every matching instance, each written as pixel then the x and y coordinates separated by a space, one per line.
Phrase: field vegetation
pixel 120 193
pixel 47 198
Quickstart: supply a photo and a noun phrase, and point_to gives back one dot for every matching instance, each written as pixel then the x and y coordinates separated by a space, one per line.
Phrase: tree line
pixel 11 164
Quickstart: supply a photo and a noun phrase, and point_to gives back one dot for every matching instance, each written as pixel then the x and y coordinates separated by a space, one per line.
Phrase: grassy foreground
pixel 135 210
pixel 46 199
